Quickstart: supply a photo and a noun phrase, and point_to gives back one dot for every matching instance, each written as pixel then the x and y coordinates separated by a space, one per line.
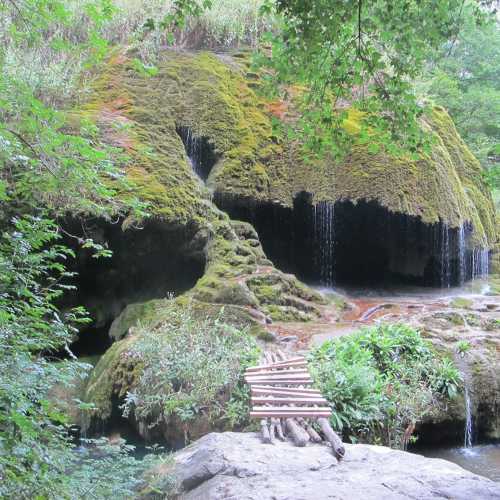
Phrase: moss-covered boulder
pixel 213 97
pixel 132 314
pixel 209 95
pixel 177 375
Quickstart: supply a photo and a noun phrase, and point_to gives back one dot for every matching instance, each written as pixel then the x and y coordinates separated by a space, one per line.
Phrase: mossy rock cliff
pixel 208 94
pixel 213 96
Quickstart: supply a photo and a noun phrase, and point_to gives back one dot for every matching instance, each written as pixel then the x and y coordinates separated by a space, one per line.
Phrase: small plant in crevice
pixel 381 381
pixel 463 347
pixel 192 367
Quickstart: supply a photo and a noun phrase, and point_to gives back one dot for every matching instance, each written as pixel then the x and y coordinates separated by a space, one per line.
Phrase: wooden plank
pixel 276 392
pixel 291 360
pixel 282 382
pixel 292 409
pixel 293 376
pixel 297 401
pixel 287 414
pixel 297 364
pixel 285 389
pixel 276 372
pixel 279 364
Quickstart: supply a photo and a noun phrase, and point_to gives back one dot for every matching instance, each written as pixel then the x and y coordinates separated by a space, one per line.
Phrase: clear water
pixel 482 459
pixel 468 420
pixel 478 286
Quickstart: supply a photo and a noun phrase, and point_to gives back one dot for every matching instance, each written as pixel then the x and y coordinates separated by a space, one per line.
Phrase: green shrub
pixel 37 457
pixel 192 365
pixel 380 381
pixel 103 470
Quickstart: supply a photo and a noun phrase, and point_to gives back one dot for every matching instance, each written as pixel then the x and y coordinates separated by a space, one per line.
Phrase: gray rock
pixel 238 466
pixel 289 338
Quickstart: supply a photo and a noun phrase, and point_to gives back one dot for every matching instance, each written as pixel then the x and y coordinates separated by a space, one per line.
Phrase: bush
pixel 381 381
pixel 37 457
pixel 192 365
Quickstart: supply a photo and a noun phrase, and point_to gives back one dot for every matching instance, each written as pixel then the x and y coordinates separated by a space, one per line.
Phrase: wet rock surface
pixel 238 466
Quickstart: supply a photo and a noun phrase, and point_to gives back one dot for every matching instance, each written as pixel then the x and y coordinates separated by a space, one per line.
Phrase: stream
pixel 482 459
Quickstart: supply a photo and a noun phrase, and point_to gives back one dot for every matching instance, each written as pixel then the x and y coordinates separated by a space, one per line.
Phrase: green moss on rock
pixel 461 303
pixel 131 316
pixel 110 380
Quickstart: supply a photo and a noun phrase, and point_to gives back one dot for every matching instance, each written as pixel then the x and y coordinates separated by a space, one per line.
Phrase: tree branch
pixel 33 150
pixel 359 27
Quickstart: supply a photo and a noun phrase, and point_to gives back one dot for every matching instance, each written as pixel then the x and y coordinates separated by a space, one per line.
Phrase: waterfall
pixel 200 152
pixel 445 257
pixel 468 418
pixel 484 260
pixel 192 144
pixel 480 262
pixel 323 220
pixel 461 254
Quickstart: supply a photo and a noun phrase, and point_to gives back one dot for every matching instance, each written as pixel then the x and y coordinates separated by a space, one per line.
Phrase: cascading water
pixel 479 262
pixel 200 152
pixel 461 254
pixel 192 144
pixel 468 419
pixel 324 232
pixel 445 257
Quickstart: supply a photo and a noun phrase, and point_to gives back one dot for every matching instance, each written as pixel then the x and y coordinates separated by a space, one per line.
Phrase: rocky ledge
pixel 237 466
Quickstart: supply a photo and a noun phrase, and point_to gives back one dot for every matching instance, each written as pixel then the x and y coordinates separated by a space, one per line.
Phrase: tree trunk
pixel 266 436
pixel 299 435
pixel 332 438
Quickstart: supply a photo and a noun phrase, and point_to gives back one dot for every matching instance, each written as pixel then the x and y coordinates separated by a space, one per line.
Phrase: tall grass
pixel 228 23
pixel 56 70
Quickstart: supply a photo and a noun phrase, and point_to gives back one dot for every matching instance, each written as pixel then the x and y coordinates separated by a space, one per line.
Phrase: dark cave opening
pixel 374 246
pixel 147 263
pixel 360 244
pixel 200 152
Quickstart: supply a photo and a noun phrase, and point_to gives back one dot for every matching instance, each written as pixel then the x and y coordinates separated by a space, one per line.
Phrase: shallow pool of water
pixel 480 459
pixel 476 287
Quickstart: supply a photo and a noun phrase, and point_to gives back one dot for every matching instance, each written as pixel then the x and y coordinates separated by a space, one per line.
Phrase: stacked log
pixel 286 404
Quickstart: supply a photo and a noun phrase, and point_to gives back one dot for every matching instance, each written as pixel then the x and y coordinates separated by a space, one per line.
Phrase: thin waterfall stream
pixel 461 253
pixel 468 437
pixel 324 231
pixel 200 152
pixel 445 257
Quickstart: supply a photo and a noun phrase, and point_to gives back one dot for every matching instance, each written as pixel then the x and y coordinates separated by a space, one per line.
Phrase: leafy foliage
pixel 48 158
pixel 48 167
pixel 361 54
pixel 192 365
pixel 36 456
pixel 465 78
pixel 103 470
pixel 381 381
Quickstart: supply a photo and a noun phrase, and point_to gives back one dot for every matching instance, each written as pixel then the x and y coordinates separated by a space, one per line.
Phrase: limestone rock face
pixel 239 466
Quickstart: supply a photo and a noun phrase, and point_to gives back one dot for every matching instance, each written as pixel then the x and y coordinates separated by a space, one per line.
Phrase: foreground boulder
pixel 238 465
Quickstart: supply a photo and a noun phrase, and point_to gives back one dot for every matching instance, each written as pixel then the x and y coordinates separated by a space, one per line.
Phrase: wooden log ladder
pixel 285 403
